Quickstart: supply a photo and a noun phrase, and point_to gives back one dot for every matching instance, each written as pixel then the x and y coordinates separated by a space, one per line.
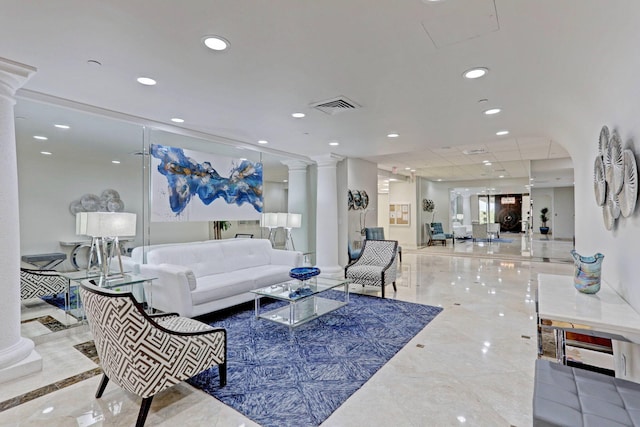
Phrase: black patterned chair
pixel 146 354
pixel 40 283
pixel 376 265
pixel 377 233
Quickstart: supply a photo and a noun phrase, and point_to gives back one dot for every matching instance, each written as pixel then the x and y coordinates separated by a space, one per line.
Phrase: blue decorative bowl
pixel 304 273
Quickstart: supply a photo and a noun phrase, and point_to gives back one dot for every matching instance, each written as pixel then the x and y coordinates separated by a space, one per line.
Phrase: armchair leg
pixel 394 287
pixel 144 410
pixel 102 386
pixel 383 288
pixel 400 255
pixel 222 372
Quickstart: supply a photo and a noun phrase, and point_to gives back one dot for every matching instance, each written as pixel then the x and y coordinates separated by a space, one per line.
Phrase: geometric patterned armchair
pixel 377 233
pixel 40 283
pixel 376 266
pixel 146 354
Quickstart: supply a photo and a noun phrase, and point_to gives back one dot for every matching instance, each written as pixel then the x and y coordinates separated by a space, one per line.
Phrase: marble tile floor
pixel 472 365
pixel 523 247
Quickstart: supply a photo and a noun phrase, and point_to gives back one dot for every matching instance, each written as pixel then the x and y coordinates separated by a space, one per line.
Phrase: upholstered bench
pixel 566 396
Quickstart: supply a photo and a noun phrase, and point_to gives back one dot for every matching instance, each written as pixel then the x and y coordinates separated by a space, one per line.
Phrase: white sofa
pixel 201 277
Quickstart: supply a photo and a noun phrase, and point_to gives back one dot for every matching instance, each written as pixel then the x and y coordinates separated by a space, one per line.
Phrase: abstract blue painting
pixel 209 189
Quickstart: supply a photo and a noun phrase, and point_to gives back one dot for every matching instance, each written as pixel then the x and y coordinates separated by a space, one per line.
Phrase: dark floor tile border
pixel 49 322
pixel 86 348
pixel 42 391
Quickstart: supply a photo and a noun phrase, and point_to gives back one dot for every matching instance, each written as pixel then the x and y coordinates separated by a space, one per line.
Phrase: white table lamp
pixel 270 221
pixel 105 229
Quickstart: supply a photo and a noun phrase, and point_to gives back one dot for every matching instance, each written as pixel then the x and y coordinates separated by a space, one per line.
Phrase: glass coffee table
pixel 304 300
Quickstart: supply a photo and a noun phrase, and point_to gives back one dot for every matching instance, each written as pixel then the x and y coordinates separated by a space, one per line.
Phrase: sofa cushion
pixel 245 253
pixel 266 275
pixel 219 286
pixel 203 258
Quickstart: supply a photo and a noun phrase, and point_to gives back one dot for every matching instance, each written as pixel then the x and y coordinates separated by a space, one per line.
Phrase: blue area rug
pixel 280 378
pixel 498 240
pixel 58 300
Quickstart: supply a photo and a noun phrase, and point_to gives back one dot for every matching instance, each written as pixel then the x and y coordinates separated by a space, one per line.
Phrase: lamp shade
pixel 294 220
pixel 106 224
pixel 282 219
pixel 269 220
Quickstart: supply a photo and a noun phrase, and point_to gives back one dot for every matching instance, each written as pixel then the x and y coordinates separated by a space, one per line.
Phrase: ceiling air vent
pixel 473 151
pixel 335 105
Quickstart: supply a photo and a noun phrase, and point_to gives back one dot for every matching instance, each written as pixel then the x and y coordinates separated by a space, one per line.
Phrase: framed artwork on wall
pixel 195 186
pixel 399 214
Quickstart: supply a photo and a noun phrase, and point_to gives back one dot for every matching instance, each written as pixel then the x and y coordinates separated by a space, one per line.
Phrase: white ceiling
pixel 402 62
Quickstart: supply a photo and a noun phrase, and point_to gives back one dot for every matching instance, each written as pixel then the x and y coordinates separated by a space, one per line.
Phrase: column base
pixel 29 365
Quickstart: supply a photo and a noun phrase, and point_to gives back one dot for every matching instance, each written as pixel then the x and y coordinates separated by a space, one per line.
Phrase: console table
pixel 606 314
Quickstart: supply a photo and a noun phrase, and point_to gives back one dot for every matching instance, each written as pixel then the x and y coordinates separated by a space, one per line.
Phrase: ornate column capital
pixel 327 160
pixel 13 75
pixel 296 165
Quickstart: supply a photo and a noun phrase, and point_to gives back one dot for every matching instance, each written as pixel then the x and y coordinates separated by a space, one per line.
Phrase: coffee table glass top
pixel 304 301
pixel 286 291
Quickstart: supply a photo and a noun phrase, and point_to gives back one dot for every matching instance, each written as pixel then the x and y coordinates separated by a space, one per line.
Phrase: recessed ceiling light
pixel 334 143
pixel 407 169
pixel 475 73
pixel 41 138
pixel 147 81
pixel 485 161
pixel 262 141
pixel 488 164
pixel 46 153
pixel 298 115
pixel 413 170
pixel 215 43
pixel 393 135
pixel 242 159
pixel 115 162
pixel 501 176
pixel 492 111
pixel 502 132
pixel 439 179
pixel 177 120
pixel 62 126
pixel 285 180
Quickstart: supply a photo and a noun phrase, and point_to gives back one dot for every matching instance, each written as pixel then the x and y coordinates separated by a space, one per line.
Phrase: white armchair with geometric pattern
pixel 40 283
pixel 376 265
pixel 146 354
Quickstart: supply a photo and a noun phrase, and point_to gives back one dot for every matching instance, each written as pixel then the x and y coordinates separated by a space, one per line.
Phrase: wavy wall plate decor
pixel 617 163
pixel 599 183
pixel 629 194
pixel 603 142
pixel 614 205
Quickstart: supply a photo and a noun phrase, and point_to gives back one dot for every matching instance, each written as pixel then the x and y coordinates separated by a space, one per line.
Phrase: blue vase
pixel 587 272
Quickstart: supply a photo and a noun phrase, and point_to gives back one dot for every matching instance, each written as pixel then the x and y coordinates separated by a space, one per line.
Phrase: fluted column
pixel 17 354
pixel 327 253
pixel 297 202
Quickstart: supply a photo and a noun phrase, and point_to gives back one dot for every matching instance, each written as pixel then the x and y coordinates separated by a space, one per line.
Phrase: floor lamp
pixel 105 230
pixel 270 221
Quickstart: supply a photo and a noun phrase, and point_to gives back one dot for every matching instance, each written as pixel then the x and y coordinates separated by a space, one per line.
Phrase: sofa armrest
pixel 171 289
pixel 282 257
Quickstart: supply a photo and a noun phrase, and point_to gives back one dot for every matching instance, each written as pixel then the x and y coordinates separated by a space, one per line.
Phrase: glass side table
pixel 140 286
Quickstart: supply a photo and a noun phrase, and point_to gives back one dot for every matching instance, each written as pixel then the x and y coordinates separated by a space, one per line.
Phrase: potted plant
pixel 219 227
pixel 543 219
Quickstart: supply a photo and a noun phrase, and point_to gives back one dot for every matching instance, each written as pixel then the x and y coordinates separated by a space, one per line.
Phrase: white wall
pixel 404 192
pixel 48 184
pixel 542 198
pixel 620 246
pixel 564 213
pixel 362 175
